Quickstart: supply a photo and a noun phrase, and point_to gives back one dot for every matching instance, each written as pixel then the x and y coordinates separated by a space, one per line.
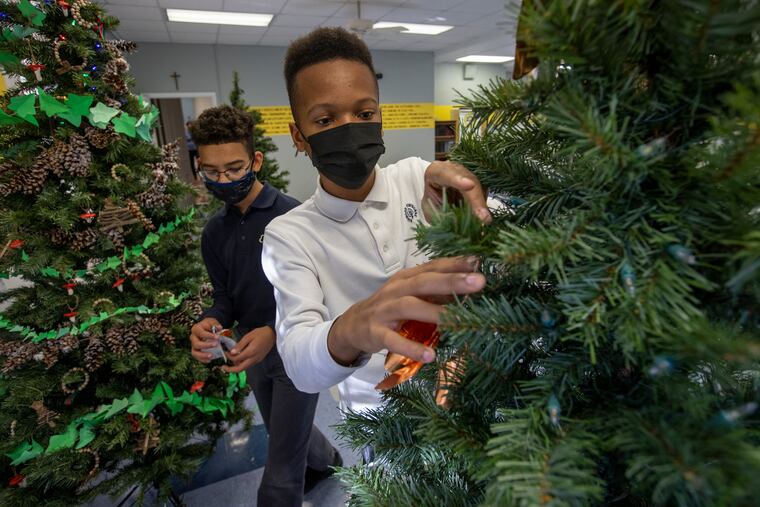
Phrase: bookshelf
pixel 445 137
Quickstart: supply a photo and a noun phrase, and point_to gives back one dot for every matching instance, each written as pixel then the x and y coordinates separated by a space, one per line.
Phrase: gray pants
pixel 294 441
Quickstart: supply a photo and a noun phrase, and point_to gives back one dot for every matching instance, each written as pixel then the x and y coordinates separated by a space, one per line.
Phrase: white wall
pixel 408 77
pixel 449 79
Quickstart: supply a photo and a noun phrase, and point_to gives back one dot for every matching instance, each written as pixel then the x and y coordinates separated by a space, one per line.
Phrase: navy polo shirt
pixel 231 246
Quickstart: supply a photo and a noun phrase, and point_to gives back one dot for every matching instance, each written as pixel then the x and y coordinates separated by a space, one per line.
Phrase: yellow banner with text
pixel 275 119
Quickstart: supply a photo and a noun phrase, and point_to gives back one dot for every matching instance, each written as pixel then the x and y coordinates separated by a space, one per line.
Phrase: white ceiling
pixel 480 26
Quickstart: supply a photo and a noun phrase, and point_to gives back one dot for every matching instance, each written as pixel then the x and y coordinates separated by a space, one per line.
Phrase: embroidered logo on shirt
pixel 410 212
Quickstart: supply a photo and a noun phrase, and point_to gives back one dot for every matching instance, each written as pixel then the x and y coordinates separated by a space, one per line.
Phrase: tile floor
pixel 231 477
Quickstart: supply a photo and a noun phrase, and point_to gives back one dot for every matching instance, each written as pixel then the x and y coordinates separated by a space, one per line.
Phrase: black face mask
pixel 232 192
pixel 346 155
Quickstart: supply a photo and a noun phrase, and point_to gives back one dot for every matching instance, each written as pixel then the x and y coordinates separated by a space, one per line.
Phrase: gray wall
pixel 449 80
pixel 407 77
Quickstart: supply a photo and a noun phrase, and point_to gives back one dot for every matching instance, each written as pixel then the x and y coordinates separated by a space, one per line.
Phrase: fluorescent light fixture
pixel 219 17
pixel 415 28
pixel 485 59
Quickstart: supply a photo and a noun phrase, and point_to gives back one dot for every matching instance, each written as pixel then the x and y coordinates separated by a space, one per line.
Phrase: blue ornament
pixel 729 417
pixel 662 365
pixel 628 277
pixel 554 409
pixel 516 201
pixel 681 253
pixel 651 148
pixel 547 319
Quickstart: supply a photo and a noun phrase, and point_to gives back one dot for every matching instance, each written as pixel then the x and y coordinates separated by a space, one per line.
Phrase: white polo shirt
pixel 329 253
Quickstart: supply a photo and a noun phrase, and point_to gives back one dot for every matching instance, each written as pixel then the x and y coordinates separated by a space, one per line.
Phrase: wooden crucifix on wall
pixel 176 77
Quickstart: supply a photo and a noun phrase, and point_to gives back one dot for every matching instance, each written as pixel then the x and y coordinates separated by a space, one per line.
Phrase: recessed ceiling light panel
pixel 485 59
pixel 218 17
pixel 414 28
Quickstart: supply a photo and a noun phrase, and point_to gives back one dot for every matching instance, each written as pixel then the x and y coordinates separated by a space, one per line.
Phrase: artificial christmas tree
pixel 96 371
pixel 614 358
pixel 270 170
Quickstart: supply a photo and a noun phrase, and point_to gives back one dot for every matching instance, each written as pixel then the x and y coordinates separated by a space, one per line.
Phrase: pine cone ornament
pixel 112 102
pixel 93 354
pixel 22 354
pixel 117 237
pixel 113 75
pixel 59 237
pixel 206 290
pixel 180 318
pixel 117 47
pixel 7 348
pixel 78 158
pixel 165 333
pixel 101 139
pixel 28 181
pixel 194 307
pixel 129 339
pixel 55 157
pixel 170 152
pixel 83 239
pixel 155 326
pixel 50 354
pixel 151 199
pixel 114 340
pixel 68 343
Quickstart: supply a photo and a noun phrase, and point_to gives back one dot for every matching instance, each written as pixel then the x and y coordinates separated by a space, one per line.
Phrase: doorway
pixel 176 110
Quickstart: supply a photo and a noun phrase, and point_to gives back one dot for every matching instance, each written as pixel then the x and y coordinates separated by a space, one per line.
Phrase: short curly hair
pixel 322 45
pixel 221 125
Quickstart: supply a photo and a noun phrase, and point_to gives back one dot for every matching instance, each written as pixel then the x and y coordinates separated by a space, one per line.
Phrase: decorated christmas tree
pixel 98 390
pixel 614 358
pixel 270 170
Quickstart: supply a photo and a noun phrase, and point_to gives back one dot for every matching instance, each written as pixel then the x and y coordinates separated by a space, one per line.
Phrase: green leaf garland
pixel 81 431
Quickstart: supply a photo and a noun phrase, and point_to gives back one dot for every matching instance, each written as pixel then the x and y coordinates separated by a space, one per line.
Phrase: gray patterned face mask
pixel 346 155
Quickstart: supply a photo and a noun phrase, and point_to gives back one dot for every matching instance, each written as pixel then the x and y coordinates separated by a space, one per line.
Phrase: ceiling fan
pixel 362 27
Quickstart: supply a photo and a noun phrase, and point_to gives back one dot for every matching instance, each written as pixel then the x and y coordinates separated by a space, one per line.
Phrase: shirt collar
pixel 264 200
pixel 342 210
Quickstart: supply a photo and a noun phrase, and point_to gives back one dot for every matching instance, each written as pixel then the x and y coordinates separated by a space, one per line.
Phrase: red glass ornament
pixel 401 368
pixel 16 244
pixel 198 386
pixel 16 480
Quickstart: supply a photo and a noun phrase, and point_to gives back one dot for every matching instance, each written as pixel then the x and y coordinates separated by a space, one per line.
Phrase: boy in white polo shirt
pixel 344 270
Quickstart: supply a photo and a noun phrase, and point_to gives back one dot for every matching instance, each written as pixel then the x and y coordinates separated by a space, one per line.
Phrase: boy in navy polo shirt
pixel 231 246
